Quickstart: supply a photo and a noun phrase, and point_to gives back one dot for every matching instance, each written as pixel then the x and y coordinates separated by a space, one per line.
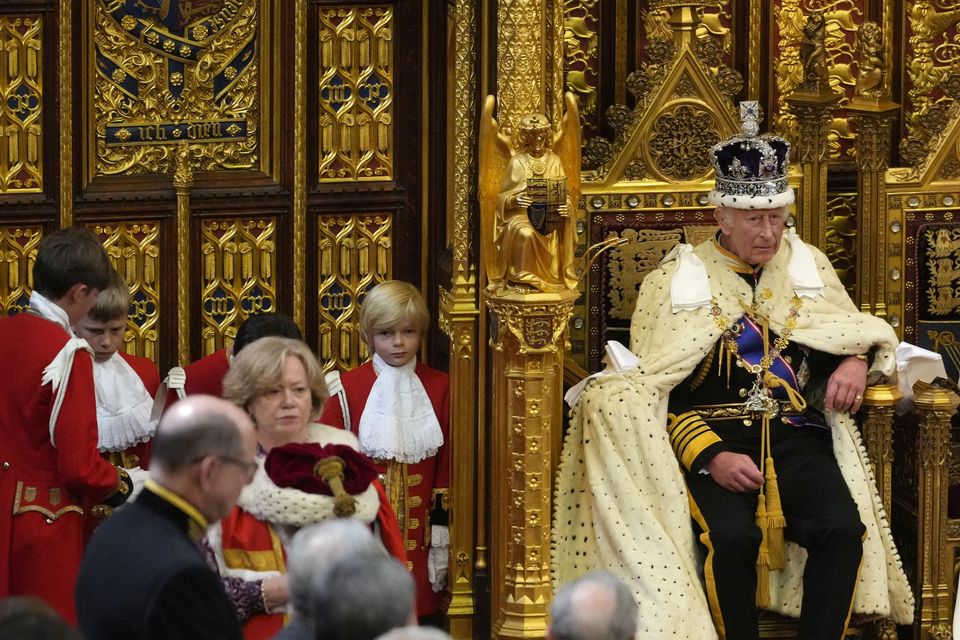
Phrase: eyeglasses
pixel 247 466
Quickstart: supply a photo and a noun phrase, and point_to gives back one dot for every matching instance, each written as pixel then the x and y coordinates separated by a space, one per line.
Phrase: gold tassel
pixel 776 523
pixel 763 557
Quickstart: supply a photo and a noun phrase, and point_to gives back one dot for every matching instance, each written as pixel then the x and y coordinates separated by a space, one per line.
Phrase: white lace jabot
pixel 398 421
pixel 123 405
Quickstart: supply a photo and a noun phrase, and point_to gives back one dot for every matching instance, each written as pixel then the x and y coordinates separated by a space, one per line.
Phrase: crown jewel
pixel 751 169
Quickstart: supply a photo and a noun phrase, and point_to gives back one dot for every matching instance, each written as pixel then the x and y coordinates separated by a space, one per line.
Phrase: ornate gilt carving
pixel 182 184
pixel 354 255
pixel 21 112
pixel 680 140
pixel 841 236
pixel 134 249
pixel 171 72
pixel 65 94
pixel 521 52
pixel 528 343
pixel 581 20
pixel 300 163
pixel 935 574
pixel 356 93
pixel 629 263
pixel 527 202
pixel 943 253
pixel 804 58
pixel 813 54
pixel 459 319
pixel 873 68
pixel 536 327
pixel 18 249
pixel 239 276
pixel 685 56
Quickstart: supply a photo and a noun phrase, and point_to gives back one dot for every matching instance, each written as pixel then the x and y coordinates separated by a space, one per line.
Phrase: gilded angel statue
pixel 527 201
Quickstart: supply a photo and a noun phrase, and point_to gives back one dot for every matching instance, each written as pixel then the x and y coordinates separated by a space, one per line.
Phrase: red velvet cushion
pixel 291 465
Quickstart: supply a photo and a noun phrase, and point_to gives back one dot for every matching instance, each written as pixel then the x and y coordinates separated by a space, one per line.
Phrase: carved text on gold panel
pixel 167 72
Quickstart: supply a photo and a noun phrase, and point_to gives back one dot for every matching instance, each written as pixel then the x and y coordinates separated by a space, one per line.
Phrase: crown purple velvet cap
pixel 751 169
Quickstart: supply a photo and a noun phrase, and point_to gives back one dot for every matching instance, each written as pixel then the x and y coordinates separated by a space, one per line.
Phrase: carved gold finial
pixel 873 68
pixel 813 54
pixel 182 170
pixel 527 202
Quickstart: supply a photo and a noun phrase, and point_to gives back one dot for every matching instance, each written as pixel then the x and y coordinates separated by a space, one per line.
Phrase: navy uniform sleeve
pixel 694 442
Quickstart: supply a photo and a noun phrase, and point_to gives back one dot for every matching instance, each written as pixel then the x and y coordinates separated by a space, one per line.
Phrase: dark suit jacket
pixel 144 577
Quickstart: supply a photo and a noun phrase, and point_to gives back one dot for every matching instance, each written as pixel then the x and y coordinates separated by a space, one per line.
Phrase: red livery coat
pixel 45 490
pixel 410 487
pixel 204 376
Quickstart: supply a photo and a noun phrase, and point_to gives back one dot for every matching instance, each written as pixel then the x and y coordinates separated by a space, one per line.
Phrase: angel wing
pixel 495 152
pixel 566 144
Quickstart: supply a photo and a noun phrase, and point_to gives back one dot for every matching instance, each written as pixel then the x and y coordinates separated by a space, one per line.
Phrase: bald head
pixel 198 426
pixel 205 451
pixel 597 606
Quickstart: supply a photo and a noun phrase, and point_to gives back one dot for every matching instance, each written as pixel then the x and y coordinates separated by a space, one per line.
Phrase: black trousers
pixel 821 517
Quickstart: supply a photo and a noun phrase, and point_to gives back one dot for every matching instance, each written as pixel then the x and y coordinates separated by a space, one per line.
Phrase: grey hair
pixel 614 619
pixel 205 432
pixel 415 633
pixel 362 597
pixel 315 548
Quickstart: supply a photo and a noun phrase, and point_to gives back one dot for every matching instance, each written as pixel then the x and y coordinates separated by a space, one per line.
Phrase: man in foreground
pixel 752 359
pixel 597 606
pixel 143 575
pixel 313 550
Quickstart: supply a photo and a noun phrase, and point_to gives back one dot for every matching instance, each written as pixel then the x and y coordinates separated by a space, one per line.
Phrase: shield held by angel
pixel 528 197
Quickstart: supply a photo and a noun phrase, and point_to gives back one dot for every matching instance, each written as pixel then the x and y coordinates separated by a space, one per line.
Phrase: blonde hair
pixel 259 368
pixel 113 302
pixel 389 303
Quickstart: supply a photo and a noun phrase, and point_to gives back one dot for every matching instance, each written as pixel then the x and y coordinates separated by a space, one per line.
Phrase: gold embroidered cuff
pixel 689 436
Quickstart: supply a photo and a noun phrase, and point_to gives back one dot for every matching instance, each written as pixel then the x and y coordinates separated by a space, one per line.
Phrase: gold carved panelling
pixel 931 78
pixel 629 263
pixel 21 84
pixel 581 43
pixel 713 32
pixel 842 236
pixel 239 259
pixel 165 72
pixel 355 253
pixel 679 138
pixel 356 93
pixel 842 19
pixel 18 249
pixel 134 249
pixel 943 276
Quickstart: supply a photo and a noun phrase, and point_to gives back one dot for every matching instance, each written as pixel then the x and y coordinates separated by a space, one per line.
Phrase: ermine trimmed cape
pixel 621 502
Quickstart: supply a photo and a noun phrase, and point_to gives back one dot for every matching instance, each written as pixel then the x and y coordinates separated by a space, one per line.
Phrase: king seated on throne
pixel 725 473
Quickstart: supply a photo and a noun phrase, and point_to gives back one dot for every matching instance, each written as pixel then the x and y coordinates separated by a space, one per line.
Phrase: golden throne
pixel 648 187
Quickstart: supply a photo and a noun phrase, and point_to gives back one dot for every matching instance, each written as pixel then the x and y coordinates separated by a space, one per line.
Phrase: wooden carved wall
pixel 300 121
